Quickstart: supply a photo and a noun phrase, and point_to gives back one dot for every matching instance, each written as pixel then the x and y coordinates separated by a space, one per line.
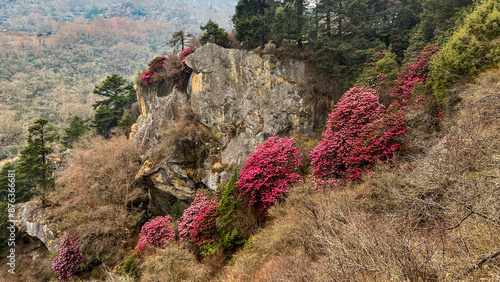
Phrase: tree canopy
pixel 109 111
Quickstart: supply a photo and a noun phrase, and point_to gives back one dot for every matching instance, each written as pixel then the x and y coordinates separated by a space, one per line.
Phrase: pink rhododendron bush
pixel 69 259
pixel 268 172
pixel 361 131
pixel 156 233
pixel 197 225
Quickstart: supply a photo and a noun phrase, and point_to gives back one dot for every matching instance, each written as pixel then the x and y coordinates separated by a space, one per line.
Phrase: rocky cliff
pixel 242 98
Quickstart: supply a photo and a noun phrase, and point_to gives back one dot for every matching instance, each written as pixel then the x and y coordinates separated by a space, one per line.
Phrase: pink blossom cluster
pixel 268 173
pixel 156 233
pixel 197 224
pixel 360 131
pixel 182 59
pixel 412 74
pixel 147 77
pixel 69 259
pixel 157 64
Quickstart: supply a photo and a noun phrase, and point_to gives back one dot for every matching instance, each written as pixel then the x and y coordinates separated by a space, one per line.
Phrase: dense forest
pixel 401 183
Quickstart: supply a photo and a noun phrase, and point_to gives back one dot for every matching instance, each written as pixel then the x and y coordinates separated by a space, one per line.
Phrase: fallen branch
pixel 482 261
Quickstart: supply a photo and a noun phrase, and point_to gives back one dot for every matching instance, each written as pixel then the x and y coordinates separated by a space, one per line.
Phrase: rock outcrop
pixel 242 98
pixel 31 219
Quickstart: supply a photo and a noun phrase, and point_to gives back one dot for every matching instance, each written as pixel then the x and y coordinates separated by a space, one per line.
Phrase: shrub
pixel 268 173
pixel 147 77
pixel 156 233
pixel 474 47
pixel 412 74
pixel 228 203
pixel 130 266
pixel 359 132
pixel 198 223
pixel 158 63
pixel 182 59
pixel 69 259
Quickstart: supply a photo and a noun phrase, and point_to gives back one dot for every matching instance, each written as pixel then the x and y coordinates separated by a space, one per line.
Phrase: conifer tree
pixel 214 34
pixel 77 127
pixel 109 111
pixel 34 163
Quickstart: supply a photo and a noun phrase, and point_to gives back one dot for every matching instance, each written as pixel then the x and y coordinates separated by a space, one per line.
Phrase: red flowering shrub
pixel 182 59
pixel 158 63
pixel 268 172
pixel 69 259
pixel 412 74
pixel 359 132
pixel 198 223
pixel 147 77
pixel 156 233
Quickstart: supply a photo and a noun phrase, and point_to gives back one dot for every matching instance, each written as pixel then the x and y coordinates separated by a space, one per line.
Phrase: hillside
pixel 315 143
pixel 55 52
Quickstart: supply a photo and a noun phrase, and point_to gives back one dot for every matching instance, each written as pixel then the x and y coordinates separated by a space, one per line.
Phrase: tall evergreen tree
pixel 34 163
pixel 109 111
pixel 77 127
pixel 253 20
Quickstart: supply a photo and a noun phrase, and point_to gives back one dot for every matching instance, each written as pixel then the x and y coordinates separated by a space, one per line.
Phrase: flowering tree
pixel 198 223
pixel 156 233
pixel 268 172
pixel 359 132
pixel 69 259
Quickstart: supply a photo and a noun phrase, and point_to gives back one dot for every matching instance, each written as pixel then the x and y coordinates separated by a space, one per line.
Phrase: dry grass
pixel 174 264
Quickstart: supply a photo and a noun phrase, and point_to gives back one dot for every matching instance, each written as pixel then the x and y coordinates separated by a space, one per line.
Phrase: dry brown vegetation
pixel 97 199
pixel 172 264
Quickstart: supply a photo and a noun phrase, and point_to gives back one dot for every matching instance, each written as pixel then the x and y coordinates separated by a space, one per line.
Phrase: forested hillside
pixel 55 52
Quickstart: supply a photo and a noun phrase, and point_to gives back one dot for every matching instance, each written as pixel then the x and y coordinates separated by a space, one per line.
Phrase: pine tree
pixel 33 162
pixel 77 127
pixel 215 34
pixel 109 111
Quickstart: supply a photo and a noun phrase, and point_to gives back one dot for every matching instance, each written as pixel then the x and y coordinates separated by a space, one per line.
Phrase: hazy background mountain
pixel 54 52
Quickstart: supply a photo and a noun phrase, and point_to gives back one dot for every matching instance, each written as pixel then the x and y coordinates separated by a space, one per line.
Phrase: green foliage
pixel 473 48
pixel 214 34
pixel 77 127
pixel 126 122
pixel 130 267
pixel 23 193
pixel 380 64
pixel 176 210
pixel 109 111
pixel 34 163
pixel 229 235
pixel 253 22
pixel 439 17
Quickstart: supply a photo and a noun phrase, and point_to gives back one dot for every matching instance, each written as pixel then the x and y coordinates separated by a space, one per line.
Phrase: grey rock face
pixel 31 218
pixel 261 95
